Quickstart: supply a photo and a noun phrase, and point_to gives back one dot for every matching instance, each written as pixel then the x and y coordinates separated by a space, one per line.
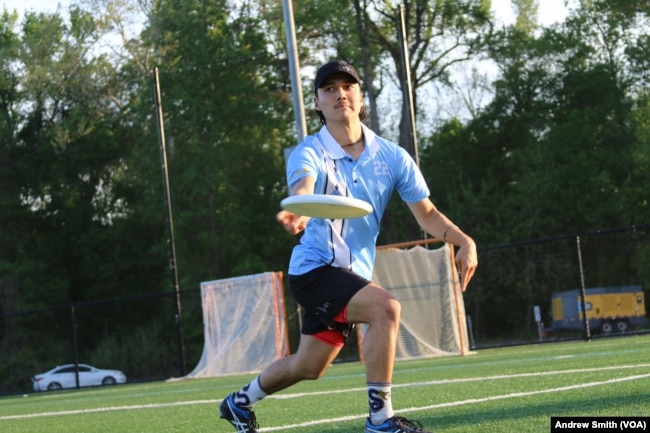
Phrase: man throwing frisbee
pixel 330 269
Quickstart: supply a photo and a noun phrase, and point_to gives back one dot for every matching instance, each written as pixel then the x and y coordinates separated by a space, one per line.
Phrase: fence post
pixel 583 303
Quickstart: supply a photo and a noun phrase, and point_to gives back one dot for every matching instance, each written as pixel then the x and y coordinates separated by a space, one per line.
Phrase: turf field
pixel 515 389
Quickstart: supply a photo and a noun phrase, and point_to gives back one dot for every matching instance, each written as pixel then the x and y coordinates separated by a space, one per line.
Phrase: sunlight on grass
pixel 507 390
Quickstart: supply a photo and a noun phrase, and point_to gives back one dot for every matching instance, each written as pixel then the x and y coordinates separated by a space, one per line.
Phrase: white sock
pixel 249 395
pixel 381 406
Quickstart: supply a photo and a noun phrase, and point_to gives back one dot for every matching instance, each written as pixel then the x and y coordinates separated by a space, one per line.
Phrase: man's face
pixel 339 98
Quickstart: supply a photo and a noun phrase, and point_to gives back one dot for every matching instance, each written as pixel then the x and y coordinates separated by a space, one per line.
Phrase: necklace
pixel 344 146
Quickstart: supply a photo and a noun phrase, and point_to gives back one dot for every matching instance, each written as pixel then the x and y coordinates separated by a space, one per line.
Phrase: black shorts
pixel 323 293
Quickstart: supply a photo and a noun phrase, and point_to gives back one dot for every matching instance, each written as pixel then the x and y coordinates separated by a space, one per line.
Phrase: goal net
pixel 245 326
pixel 425 282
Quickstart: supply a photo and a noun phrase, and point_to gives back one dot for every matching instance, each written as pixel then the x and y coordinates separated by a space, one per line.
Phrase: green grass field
pixel 515 389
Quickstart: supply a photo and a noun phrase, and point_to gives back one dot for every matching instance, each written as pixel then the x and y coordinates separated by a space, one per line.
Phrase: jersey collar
pixel 337 152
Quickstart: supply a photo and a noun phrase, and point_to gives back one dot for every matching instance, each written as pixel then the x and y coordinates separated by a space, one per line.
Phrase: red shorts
pixel 335 336
pixel 323 294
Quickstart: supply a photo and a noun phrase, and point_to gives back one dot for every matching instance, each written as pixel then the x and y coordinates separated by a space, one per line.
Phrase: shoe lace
pixel 413 424
pixel 252 422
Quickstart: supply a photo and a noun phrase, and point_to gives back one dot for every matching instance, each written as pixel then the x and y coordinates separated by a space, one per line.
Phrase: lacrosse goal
pixel 245 325
pixel 425 282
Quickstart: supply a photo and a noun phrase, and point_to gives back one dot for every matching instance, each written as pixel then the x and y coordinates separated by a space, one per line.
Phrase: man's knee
pixel 374 305
pixel 393 310
pixel 386 313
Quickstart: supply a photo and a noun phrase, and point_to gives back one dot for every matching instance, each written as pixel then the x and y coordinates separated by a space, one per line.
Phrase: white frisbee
pixel 326 206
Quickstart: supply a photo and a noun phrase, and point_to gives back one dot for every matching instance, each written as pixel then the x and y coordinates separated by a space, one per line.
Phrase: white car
pixel 65 377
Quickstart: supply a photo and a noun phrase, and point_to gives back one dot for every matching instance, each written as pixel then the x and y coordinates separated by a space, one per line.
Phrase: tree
pixel 13 213
pixel 553 153
pixel 227 124
pixel 527 13
pixel 73 238
pixel 439 35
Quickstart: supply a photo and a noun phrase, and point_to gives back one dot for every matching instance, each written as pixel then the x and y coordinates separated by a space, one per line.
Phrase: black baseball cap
pixel 332 68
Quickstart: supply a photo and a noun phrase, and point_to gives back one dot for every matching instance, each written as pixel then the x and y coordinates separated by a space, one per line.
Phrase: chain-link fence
pixel 138 335
pixel 516 279
pixel 141 335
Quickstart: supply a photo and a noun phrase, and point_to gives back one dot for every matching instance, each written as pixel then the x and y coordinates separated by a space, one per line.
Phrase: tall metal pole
pixel 294 69
pixel 170 224
pixel 583 294
pixel 296 86
pixel 407 89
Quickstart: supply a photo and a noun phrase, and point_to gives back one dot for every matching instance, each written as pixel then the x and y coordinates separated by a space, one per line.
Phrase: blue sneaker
pixel 396 424
pixel 243 420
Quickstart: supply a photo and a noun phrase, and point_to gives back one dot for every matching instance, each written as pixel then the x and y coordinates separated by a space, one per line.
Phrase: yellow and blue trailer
pixel 608 309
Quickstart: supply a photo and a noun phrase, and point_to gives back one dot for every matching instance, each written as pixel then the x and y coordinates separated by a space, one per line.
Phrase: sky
pixel 550 10
pixel 36 5
pixel 444 103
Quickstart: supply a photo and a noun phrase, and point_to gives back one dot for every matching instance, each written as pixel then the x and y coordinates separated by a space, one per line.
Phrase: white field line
pixel 467 379
pixel 465 402
pixel 353 417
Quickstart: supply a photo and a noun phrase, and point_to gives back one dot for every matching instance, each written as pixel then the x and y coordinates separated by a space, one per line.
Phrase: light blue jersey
pixel 382 168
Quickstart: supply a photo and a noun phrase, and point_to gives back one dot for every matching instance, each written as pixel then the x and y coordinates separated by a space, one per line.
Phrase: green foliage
pixel 226 167
pixel 555 152
pixel 141 354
